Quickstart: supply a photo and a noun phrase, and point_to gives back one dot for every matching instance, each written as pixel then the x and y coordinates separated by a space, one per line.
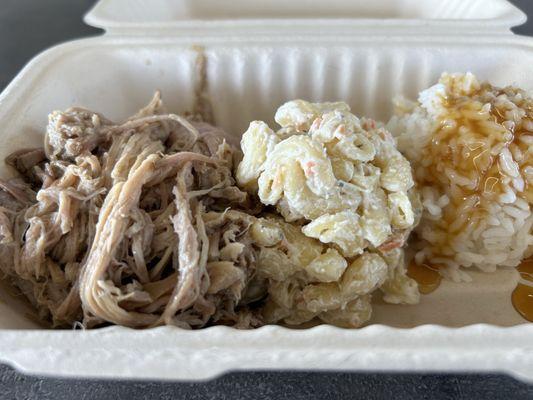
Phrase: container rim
pixel 170 353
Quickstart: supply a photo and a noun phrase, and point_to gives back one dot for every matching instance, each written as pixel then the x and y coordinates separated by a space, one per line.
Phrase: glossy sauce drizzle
pixel 427 277
pixel 466 147
pixel 522 297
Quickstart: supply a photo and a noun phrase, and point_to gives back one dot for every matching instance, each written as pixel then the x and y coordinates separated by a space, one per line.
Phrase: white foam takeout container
pixel 261 54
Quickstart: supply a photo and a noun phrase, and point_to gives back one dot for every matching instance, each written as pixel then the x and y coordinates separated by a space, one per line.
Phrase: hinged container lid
pixel 242 18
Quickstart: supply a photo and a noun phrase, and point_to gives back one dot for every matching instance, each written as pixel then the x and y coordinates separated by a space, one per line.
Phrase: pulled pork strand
pixel 96 293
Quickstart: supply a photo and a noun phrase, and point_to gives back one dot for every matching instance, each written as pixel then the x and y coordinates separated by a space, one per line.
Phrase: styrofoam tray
pixel 460 327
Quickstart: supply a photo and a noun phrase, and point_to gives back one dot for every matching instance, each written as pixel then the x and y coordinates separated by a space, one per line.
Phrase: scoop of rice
pixel 470 145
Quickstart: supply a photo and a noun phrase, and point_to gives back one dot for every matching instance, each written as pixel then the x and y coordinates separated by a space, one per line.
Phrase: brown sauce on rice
pixel 463 156
pixel 465 160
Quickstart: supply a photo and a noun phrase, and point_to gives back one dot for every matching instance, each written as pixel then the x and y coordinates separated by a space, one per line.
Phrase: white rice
pixel 503 235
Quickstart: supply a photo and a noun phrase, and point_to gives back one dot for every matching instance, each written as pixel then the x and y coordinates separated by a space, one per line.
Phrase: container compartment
pixel 247 81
